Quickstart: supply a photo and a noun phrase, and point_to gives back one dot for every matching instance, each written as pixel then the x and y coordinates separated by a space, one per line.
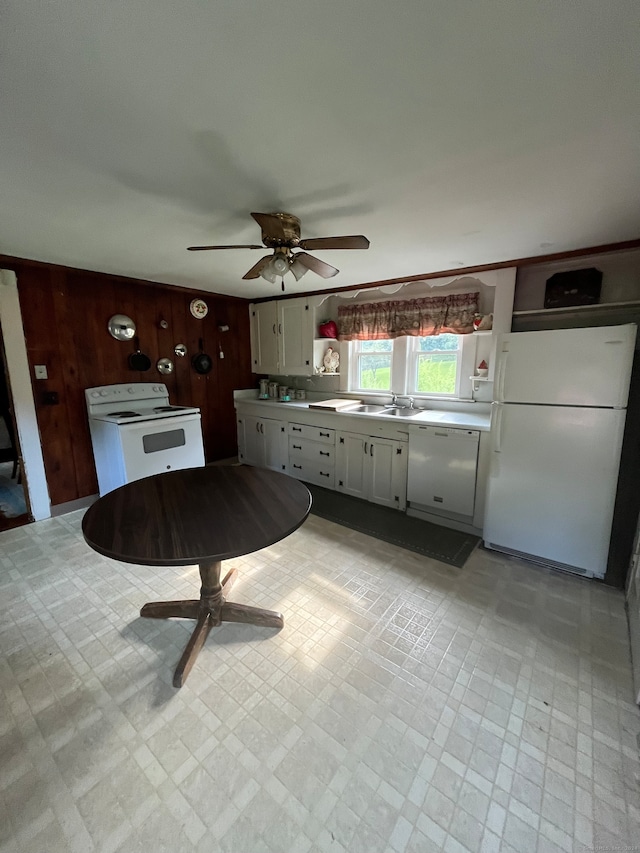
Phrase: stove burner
pixel 169 408
pixel 123 414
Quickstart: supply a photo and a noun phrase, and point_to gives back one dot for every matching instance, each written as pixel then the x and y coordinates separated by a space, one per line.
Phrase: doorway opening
pixel 14 506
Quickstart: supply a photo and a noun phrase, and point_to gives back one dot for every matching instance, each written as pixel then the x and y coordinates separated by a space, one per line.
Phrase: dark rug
pixel 389 525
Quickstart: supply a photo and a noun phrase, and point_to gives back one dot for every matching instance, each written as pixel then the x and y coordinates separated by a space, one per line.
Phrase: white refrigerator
pixel 556 434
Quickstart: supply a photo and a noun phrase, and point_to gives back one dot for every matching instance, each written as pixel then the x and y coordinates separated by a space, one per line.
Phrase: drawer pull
pixel 325 434
pixel 322 474
pixel 296 429
pixel 296 446
pixel 324 454
pixel 298 466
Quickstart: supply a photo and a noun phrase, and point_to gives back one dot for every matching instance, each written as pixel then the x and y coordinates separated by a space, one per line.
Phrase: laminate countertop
pixel 428 417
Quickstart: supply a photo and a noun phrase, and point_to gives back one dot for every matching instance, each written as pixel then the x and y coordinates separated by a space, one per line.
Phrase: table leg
pixel 210 610
pixel 196 642
pixel 254 615
pixel 167 609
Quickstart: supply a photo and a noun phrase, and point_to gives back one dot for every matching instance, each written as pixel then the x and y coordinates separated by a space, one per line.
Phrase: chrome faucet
pixel 411 401
pixel 394 400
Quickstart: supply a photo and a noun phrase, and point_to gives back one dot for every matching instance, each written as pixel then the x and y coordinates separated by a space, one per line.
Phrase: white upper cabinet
pixel 282 337
pixel 264 337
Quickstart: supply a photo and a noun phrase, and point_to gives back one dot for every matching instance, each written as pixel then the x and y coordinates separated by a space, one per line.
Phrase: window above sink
pixel 426 366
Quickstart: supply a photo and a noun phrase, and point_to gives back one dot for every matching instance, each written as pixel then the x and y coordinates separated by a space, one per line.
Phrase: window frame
pixel 397 368
pixel 403 370
pixel 413 356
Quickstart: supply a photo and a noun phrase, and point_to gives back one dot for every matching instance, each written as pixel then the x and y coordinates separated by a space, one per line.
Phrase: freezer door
pixel 552 483
pixel 566 367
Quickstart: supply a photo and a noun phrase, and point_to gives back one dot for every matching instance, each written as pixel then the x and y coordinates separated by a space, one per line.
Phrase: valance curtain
pixel 430 315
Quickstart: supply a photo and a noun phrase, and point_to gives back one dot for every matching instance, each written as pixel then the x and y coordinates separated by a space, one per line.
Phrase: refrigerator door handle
pixel 496 427
pixel 502 369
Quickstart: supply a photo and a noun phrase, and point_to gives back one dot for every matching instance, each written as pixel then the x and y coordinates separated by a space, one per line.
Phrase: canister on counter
pixel 283 393
pixel 301 394
pixel 273 390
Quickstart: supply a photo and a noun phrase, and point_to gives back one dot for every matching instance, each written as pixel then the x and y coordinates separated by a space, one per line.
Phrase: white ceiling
pixel 450 132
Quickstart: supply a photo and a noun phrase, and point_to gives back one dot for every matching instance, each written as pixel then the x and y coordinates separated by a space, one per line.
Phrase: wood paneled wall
pixel 65 314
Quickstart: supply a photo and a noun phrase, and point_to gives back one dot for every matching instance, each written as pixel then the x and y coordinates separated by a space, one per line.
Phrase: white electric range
pixel 136 433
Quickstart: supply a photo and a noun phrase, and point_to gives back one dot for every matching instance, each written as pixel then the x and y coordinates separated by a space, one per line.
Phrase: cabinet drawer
pixel 327 436
pixel 313 451
pixel 313 472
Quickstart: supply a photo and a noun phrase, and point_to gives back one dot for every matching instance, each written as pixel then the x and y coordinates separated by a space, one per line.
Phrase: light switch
pixel 41 371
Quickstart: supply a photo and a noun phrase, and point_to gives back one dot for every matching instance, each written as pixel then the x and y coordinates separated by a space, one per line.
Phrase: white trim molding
pixel 24 408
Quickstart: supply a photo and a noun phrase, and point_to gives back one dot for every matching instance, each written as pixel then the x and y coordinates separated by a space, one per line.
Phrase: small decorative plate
pixel 199 308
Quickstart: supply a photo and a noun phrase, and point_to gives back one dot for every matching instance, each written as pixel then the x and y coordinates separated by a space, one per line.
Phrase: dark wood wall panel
pixel 65 314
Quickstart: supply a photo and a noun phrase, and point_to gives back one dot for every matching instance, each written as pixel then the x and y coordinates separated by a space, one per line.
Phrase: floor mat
pixel 389 525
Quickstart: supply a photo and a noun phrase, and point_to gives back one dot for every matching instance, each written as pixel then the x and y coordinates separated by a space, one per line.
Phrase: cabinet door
pixel 250 441
pixel 387 473
pixel 295 330
pixel 275 444
pixel 352 464
pixel 264 337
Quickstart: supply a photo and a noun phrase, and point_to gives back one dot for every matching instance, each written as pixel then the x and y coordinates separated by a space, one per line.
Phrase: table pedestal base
pixel 209 610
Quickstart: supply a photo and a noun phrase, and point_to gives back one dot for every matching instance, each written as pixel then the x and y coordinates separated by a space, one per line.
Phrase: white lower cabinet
pixel 312 454
pixel 263 442
pixel 371 468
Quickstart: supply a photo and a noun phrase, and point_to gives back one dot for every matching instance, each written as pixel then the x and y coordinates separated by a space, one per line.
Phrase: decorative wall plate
pixel 165 365
pixel 121 327
pixel 199 308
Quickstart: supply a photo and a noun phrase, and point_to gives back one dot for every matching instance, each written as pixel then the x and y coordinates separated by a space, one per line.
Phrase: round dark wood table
pixel 198 515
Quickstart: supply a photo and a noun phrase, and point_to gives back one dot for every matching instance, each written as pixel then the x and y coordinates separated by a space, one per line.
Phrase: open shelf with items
pixel 617 303
pixel 320 347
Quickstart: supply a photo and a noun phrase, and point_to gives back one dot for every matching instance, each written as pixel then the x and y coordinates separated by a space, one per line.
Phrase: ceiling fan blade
pixel 256 269
pixel 316 265
pixel 207 248
pixel 357 241
pixel 271 225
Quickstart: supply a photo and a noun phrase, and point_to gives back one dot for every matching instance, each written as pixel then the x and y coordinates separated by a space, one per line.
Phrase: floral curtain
pixel 431 315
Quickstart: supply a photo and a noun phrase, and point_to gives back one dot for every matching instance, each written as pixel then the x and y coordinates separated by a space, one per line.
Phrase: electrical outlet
pixel 41 371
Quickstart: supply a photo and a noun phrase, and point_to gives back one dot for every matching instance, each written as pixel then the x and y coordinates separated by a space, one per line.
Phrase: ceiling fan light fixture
pixel 268 274
pixel 298 269
pixel 280 265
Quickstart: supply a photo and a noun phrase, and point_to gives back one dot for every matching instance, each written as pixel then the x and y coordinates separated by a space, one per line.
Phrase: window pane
pixel 385 345
pixel 374 371
pixel 436 372
pixel 438 343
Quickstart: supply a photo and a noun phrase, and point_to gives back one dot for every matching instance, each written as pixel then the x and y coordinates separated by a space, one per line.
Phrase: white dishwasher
pixel 442 469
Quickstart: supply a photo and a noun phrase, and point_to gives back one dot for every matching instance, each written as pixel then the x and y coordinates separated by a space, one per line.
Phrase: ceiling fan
pixel 281 232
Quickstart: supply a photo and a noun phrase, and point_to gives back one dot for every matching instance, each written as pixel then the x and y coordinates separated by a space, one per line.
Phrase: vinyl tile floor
pixel 406 706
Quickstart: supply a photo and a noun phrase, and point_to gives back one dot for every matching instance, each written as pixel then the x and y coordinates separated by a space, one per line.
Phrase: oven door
pixel 163 444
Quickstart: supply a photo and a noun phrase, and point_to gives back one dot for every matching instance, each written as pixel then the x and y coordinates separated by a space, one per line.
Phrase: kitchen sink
pixel 371 410
pixel 402 413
